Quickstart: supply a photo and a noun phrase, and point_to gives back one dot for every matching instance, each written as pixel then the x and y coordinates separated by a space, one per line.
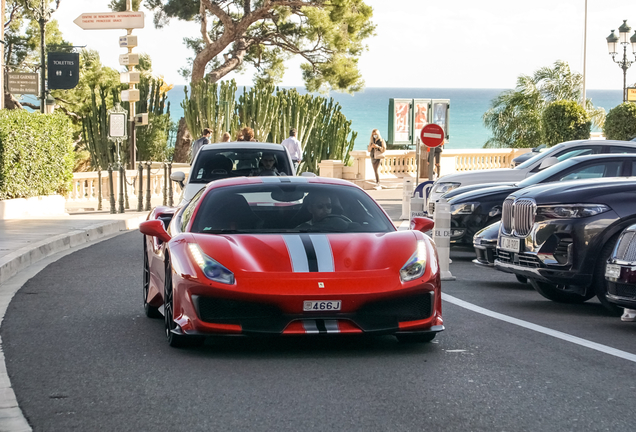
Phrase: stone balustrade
pixel 85 187
pixel 398 164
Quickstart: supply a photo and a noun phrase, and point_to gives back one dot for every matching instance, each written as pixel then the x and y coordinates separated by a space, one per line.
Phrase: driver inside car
pixel 319 207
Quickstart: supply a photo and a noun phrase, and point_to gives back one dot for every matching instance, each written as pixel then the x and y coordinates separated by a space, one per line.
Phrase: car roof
pixel 602 156
pixel 237 181
pixel 237 145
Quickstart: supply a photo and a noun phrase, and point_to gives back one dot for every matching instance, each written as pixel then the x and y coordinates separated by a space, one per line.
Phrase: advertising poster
pixel 440 110
pixel 402 124
pixel 421 116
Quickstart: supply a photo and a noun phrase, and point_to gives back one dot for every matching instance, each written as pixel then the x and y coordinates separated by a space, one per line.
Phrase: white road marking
pixel 540 329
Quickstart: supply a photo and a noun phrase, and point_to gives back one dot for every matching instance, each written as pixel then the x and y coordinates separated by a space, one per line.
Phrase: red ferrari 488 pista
pixel 288 256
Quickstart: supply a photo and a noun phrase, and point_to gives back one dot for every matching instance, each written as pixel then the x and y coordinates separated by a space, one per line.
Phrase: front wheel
pixel 415 338
pixel 559 293
pixel 175 340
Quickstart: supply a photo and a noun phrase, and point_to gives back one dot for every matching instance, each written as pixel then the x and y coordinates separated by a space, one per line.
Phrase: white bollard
pixel 417 206
pixel 441 236
pixel 407 192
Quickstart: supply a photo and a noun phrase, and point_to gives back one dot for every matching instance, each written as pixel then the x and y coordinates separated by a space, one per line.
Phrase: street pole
pixel 132 113
pixel 42 16
pixel 584 96
pixel 2 56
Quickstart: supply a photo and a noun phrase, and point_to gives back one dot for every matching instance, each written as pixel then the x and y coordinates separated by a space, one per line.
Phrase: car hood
pixel 463 189
pixel 597 191
pixel 486 192
pixel 305 253
pixel 485 176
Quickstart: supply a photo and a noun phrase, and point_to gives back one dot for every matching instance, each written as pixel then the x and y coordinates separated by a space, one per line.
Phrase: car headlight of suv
pixel 569 211
pixel 464 208
pixel 444 187
pixel 416 265
pixel 211 268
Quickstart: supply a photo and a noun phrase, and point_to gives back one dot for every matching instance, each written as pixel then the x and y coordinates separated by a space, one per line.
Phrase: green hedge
pixel 36 154
pixel 565 120
pixel 620 123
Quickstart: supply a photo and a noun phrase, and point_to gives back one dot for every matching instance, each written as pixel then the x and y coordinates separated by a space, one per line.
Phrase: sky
pixel 420 43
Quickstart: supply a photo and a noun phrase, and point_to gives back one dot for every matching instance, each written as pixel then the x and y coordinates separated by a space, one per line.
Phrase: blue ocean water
pixel 369 110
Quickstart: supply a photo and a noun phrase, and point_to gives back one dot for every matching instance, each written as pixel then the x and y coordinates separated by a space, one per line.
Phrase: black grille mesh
pixel 626 250
pixel 622 290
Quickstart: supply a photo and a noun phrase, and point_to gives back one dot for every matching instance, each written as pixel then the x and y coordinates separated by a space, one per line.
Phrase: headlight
pixel 464 208
pixel 211 268
pixel 445 187
pixel 416 265
pixel 569 211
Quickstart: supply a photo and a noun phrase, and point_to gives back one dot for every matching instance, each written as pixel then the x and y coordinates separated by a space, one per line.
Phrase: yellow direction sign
pixel 110 20
pixel 631 94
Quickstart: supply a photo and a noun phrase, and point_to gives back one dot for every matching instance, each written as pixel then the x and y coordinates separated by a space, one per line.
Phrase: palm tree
pixel 514 116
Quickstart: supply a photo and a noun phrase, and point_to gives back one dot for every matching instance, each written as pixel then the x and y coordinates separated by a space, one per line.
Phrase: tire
pixel 557 294
pixel 599 284
pixel 175 340
pixel 415 338
pixel 151 311
pixel 521 279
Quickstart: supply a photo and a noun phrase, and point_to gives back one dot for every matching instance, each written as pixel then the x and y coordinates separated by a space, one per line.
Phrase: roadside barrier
pixel 407 192
pixel 441 236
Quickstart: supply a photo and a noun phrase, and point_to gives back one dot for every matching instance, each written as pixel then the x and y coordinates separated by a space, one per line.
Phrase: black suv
pixel 560 236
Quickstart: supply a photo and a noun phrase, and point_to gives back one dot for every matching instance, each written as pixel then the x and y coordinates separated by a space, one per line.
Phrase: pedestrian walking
pixel 225 137
pixel 293 147
pixel 376 149
pixel 434 157
pixel 196 146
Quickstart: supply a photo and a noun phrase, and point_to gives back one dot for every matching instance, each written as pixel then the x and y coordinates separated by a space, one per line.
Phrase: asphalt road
pixel 81 355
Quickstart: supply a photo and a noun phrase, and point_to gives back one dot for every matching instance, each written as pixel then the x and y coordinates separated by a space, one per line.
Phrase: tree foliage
pixel 620 123
pixel 565 120
pixel 328 34
pixel 515 116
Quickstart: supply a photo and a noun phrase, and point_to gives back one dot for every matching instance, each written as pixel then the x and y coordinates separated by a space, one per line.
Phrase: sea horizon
pixel 368 109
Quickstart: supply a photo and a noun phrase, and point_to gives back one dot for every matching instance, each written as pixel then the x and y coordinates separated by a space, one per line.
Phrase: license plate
pixel 612 271
pixel 321 305
pixel 510 244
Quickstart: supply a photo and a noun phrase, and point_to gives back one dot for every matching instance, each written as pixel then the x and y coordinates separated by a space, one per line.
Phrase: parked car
pixel 525 156
pixel 485 244
pixel 471 211
pixel 222 160
pixel 553 155
pixel 560 235
pixel 289 256
pixel 620 271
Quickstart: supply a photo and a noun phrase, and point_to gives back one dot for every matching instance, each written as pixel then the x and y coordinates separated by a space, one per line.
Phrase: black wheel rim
pixel 167 303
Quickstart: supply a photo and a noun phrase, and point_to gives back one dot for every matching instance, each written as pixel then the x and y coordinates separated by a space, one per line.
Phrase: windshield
pixel 539 156
pixel 289 208
pixel 223 163
pixel 542 176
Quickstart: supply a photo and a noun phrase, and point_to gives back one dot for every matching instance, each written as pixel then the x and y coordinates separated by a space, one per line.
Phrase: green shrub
pixel 565 120
pixel 36 154
pixel 620 123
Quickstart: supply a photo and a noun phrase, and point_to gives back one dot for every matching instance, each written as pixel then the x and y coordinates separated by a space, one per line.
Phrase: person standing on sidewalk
pixel 293 147
pixel 376 149
pixel 196 146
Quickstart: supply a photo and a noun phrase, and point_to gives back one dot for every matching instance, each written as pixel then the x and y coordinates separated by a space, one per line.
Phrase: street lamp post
pixel 42 15
pixel 624 39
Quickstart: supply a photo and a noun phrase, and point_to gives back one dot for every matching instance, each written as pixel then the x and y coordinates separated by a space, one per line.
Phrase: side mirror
pixel 154 228
pixel 179 177
pixel 548 162
pixel 422 224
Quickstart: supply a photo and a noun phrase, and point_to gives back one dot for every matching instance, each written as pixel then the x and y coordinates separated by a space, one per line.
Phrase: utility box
pixel 129 77
pixel 130 95
pixel 141 119
pixel 128 41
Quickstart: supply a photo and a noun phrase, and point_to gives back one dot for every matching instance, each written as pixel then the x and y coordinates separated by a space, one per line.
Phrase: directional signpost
pixel 110 20
pixel 127 20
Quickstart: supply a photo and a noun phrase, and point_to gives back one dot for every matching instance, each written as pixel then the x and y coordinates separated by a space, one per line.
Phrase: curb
pixel 16 261
pixel 11 417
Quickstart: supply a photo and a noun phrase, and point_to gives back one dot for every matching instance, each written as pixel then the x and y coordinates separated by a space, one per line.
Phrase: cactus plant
pixel 212 106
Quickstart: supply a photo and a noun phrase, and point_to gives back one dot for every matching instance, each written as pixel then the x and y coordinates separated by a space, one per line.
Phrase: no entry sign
pixel 432 135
